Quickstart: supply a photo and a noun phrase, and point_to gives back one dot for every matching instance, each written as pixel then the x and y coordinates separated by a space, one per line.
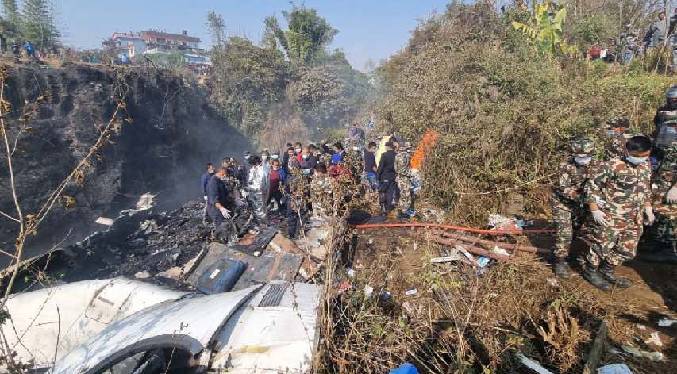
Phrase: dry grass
pixel 459 321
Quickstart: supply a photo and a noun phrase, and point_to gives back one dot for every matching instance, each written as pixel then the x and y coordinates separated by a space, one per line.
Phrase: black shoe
pixel 607 272
pixel 595 278
pixel 562 269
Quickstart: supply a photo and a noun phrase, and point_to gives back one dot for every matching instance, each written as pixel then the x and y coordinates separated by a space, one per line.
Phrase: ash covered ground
pixel 140 243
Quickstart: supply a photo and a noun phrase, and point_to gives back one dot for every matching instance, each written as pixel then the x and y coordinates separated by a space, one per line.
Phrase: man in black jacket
pixel 218 202
pixel 386 177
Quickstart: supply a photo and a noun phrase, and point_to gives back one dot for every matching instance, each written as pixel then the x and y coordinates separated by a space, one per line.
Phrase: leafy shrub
pixel 505 112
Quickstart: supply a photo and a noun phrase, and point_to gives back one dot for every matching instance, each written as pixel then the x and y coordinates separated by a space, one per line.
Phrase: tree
pixel 38 23
pixel 545 28
pixel 11 11
pixel 217 27
pixel 10 21
pixel 246 81
pixel 307 35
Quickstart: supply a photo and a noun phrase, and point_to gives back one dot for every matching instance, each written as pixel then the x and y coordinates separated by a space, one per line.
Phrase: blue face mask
pixel 636 160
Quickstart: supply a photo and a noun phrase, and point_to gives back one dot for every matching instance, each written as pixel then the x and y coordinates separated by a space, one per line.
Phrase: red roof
pixel 153 35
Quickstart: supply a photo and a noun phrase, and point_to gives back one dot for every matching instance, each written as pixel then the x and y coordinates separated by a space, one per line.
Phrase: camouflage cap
pixel 581 145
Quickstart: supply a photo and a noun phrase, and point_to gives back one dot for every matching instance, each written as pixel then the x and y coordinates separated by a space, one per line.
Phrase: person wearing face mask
pixel 618 196
pixel 308 161
pixel 567 202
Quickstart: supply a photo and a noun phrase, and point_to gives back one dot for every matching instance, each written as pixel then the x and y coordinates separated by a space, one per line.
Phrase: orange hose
pixel 452 227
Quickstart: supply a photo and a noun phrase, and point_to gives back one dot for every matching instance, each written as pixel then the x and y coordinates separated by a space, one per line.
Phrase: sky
pixel 369 30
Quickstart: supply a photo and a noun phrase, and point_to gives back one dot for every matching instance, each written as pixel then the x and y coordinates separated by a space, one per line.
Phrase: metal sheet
pixel 188 324
pixel 72 313
pixel 271 339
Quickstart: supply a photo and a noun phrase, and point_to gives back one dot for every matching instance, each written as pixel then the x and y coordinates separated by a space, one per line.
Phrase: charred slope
pixel 172 134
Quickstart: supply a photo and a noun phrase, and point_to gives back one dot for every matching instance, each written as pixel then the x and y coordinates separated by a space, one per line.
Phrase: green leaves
pixel 545 29
pixel 306 38
pixel 37 23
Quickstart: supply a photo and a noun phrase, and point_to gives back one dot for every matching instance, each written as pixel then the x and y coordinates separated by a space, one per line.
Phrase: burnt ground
pixel 512 307
pixel 173 132
pixel 149 242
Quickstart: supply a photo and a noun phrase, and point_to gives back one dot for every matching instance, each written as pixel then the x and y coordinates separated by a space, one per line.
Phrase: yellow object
pixel 381 148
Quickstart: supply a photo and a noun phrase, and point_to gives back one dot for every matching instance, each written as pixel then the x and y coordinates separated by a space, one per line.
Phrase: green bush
pixel 504 111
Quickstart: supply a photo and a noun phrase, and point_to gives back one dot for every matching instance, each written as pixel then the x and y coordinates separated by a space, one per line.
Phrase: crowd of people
pixel 305 181
pixel 611 200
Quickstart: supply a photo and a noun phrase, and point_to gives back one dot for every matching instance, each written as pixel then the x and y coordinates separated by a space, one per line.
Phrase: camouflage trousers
pixel 406 194
pixel 663 230
pixel 616 242
pixel 566 217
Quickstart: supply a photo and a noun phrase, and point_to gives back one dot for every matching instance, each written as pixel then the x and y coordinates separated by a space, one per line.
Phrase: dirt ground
pixel 514 307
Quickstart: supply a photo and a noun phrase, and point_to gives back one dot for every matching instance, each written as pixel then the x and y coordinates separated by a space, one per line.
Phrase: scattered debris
pixel 146 201
pixel 614 369
pixel 499 223
pixel 174 273
pixel 653 356
pixel 666 322
pixel 142 275
pixel 105 221
pixel 500 251
pixel 368 290
pixel 440 260
pixel 531 364
pixel 655 339
pixel 411 292
pixel 220 276
pixel 405 368
pixel 483 261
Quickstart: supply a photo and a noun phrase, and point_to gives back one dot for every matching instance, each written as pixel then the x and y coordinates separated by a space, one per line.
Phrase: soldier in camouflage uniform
pixel 616 136
pixel 664 179
pixel 404 179
pixel 296 193
pixel 567 204
pixel 618 193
